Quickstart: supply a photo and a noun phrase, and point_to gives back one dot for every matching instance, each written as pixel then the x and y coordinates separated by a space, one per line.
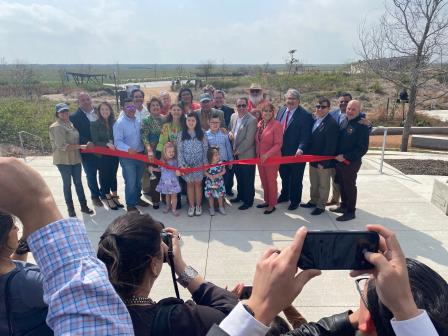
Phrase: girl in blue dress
pixel 214 182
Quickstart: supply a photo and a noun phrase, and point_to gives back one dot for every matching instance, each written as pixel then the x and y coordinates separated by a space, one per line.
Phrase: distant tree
pixel 180 71
pixel 402 49
pixel 206 68
pixel 291 61
pixel 23 77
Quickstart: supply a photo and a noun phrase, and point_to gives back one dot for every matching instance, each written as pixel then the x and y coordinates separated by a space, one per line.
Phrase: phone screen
pixel 338 250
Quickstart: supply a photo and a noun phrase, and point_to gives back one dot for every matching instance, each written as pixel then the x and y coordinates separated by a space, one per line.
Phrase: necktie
pixel 286 121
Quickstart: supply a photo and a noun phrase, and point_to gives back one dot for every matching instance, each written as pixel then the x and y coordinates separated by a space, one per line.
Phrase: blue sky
pixel 181 31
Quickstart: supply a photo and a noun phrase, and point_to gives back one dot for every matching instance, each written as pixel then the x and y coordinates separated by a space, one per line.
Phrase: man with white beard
pixel 256 96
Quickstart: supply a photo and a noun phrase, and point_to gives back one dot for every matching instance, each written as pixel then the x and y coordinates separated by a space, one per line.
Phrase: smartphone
pixel 338 250
pixel 246 293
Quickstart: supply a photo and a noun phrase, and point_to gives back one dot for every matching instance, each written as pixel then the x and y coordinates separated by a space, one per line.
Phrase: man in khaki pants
pixel 324 141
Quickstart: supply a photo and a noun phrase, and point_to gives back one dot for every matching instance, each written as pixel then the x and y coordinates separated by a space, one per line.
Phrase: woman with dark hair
pixel 102 136
pixel 22 307
pixel 134 253
pixel 192 150
pixel 64 139
pixel 171 128
pixel 150 132
pixel 185 99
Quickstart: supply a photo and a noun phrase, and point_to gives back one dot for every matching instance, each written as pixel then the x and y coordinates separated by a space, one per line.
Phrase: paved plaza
pixel 226 248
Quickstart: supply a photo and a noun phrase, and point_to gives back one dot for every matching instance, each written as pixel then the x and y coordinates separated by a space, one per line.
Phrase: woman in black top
pixel 101 131
pixel 134 253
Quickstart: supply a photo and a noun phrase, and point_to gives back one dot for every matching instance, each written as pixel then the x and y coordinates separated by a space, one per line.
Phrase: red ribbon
pixel 254 161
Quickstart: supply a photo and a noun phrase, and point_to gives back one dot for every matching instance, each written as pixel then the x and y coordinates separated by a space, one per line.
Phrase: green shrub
pixel 18 114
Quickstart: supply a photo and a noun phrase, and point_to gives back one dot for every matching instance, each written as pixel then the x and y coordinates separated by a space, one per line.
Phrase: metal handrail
pixel 21 133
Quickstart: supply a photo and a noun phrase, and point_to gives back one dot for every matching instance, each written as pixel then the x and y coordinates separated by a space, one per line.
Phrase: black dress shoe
pixel 282 199
pixel 346 217
pixel 142 203
pixel 97 202
pixel 263 205
pixel 339 209
pixel 230 193
pixel 267 212
pixel 244 207
pixel 308 205
pixel 235 200
pixel 293 206
pixel 317 211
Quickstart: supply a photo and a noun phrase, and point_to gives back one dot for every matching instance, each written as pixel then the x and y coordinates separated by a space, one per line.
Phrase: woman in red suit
pixel 269 140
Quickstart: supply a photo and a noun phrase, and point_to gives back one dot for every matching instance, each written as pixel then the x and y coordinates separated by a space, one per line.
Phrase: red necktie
pixel 286 121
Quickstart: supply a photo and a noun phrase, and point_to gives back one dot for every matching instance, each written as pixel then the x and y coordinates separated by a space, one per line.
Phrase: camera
pixel 167 239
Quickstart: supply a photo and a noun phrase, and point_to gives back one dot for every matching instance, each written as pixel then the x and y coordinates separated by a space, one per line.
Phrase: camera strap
pixel 173 273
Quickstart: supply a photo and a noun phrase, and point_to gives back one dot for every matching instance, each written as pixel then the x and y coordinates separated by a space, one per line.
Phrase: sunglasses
pixel 242 106
pixel 343 102
pixel 321 107
pixel 130 107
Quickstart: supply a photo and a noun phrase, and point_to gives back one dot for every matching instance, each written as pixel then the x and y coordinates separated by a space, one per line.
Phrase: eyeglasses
pixel 130 107
pixel 360 285
pixel 321 107
pixel 242 106
pixel 214 122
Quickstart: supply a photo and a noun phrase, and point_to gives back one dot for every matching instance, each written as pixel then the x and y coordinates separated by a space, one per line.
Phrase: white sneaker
pixel 191 211
pixel 198 210
pixel 222 211
pixel 212 211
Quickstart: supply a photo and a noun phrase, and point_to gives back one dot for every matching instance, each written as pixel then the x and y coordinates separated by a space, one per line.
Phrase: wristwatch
pixel 187 276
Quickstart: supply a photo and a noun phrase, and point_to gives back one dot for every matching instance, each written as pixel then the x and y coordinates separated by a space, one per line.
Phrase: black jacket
pixel 324 141
pixel 353 140
pixel 82 124
pixel 335 325
pixel 298 133
pixel 171 317
pixel 228 111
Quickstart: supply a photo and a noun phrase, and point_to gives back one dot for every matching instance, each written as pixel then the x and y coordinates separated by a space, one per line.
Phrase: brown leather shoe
pixel 331 202
pixel 97 202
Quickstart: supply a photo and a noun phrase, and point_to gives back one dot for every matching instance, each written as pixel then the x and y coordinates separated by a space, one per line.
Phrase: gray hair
pixel 293 92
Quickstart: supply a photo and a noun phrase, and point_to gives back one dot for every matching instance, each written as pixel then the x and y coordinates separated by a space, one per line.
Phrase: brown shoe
pixel 142 203
pixel 133 209
pixel 97 202
pixel 116 201
pixel 331 202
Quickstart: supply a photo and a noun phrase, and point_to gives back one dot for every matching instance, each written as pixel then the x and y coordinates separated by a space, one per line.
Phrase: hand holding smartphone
pixel 338 250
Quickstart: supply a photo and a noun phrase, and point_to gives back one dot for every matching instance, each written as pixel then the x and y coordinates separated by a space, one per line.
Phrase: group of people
pixel 75 291
pixel 187 134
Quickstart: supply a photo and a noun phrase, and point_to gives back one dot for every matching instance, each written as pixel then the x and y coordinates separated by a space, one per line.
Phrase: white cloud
pixel 101 31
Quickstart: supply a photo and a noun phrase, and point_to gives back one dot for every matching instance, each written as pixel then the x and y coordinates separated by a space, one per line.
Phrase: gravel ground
pixel 420 167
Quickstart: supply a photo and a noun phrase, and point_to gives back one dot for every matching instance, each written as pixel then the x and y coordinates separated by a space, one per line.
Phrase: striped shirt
pixel 80 298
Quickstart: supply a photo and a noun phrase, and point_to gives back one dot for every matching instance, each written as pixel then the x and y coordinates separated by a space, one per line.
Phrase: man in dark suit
pixel 297 124
pixel 324 141
pixel 81 119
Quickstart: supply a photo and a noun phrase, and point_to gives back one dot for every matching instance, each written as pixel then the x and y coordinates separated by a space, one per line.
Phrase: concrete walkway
pixel 226 248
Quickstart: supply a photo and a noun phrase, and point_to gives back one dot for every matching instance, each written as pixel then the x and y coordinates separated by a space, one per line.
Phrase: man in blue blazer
pixel 297 124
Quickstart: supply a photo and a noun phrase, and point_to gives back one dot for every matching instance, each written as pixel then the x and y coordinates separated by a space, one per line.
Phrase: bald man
pixel 353 145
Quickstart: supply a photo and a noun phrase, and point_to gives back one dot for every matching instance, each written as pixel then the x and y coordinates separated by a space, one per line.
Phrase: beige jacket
pixel 244 143
pixel 61 135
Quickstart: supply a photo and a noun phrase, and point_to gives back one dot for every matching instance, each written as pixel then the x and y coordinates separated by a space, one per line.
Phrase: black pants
pixel 108 166
pixel 346 178
pixel 90 165
pixel 292 177
pixel 228 179
pixel 245 178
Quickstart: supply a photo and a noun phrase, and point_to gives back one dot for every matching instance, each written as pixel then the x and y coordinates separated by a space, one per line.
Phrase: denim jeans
pixel 91 168
pixel 132 173
pixel 68 172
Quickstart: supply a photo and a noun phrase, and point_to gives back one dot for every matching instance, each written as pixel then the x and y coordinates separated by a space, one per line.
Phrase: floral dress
pixel 192 153
pixel 151 129
pixel 169 182
pixel 215 188
pixel 168 133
